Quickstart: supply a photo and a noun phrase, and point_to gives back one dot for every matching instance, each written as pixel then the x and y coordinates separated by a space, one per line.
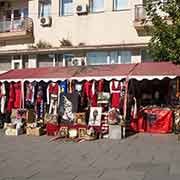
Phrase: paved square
pixel 139 157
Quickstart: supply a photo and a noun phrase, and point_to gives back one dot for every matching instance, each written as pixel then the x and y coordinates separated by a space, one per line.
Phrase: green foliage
pixel 65 43
pixel 42 45
pixel 165 41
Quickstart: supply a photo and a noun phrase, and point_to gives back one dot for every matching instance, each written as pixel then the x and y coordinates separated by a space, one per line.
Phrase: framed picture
pixel 73 133
pixel 82 132
pixel 95 116
pixel 80 118
pixel 103 97
pixel 63 131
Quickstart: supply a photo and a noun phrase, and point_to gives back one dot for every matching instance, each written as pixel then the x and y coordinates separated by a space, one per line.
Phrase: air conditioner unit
pixel 82 9
pixel 46 21
pixel 78 61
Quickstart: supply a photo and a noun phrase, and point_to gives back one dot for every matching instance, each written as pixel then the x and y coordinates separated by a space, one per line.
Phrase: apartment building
pixel 38 33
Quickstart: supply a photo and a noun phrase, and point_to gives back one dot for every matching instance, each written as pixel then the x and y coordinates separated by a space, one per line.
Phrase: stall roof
pixel 150 70
pixel 74 72
pixel 155 70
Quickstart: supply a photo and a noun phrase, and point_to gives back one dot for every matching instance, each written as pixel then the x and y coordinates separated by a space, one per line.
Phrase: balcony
pixel 140 17
pixel 16 30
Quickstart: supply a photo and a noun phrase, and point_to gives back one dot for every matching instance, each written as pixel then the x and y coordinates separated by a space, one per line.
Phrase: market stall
pixel 155 92
pixel 65 100
pixel 85 102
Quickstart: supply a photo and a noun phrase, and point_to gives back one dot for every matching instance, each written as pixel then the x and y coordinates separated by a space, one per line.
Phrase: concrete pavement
pixel 140 157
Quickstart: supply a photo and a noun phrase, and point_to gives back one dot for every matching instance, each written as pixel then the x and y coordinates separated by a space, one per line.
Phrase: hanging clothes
pixel 2 97
pixel 63 89
pixel 94 94
pixel 89 92
pixel 39 103
pixel 74 98
pixel 18 95
pixel 68 115
pixel 78 86
pixel 10 104
pixel 100 85
pixel 53 92
pixel 115 88
pixel 30 94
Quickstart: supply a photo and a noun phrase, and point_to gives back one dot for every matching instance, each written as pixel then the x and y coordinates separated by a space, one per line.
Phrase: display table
pixel 153 120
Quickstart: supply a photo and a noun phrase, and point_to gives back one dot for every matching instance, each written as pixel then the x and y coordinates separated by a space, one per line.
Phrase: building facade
pixel 37 33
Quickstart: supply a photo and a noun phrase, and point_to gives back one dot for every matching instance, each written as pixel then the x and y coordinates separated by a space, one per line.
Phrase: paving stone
pixel 122 174
pixel 143 156
pixel 175 168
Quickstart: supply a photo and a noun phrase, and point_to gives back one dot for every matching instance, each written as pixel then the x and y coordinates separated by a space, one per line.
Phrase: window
pixel 94 58
pixel 114 58
pixel 44 60
pixel 97 5
pixel 67 58
pixel 66 7
pixel 17 14
pixel 16 64
pixel 145 56
pixel 59 59
pixel 25 12
pixel 44 8
pixel 125 57
pixel 120 4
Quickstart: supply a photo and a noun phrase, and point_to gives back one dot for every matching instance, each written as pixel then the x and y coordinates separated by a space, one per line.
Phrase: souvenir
pixel 95 116
pixel 113 116
pixel 73 133
pixel 82 132
pixel 80 118
pixel 103 97
pixel 63 131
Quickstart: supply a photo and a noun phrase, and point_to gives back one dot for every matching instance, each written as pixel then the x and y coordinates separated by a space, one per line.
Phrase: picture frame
pixel 80 118
pixel 82 132
pixel 103 97
pixel 73 133
pixel 63 131
pixel 95 116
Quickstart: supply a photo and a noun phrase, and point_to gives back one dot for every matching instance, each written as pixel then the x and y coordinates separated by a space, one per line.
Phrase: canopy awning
pixel 155 70
pixel 150 70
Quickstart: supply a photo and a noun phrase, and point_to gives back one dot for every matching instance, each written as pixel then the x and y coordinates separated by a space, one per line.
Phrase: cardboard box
pixel 38 131
pixel 13 131
pixel 115 132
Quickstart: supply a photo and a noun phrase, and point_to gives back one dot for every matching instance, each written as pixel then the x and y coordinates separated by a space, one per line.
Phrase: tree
pixel 165 18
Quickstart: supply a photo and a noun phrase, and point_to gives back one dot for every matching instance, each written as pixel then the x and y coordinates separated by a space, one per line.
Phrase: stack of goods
pixel 68 103
pixel 33 129
pixel 16 127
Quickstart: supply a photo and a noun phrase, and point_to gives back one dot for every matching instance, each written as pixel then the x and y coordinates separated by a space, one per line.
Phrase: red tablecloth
pixel 153 121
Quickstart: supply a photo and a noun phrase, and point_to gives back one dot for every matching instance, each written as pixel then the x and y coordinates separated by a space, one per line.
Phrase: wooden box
pixel 38 131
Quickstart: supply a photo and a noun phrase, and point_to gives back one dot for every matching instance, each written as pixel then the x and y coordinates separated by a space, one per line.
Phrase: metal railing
pixel 140 12
pixel 16 25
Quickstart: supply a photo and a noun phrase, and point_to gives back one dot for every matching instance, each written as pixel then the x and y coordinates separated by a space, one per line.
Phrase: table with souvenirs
pixel 153 120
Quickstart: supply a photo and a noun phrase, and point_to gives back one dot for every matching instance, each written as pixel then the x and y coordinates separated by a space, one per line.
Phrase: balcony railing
pixel 16 27
pixel 140 12
pixel 22 24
